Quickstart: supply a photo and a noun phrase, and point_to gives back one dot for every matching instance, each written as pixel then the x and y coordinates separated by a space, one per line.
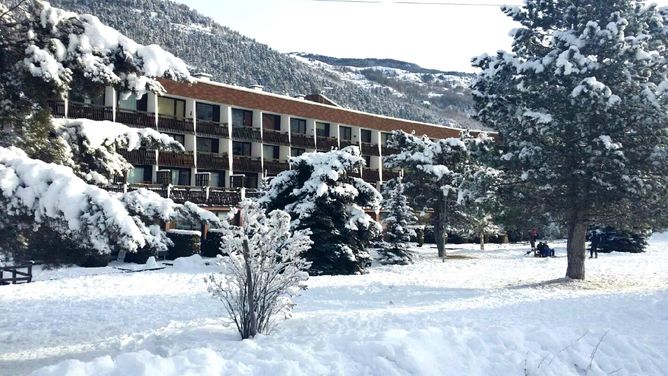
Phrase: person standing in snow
pixel 533 236
pixel 595 241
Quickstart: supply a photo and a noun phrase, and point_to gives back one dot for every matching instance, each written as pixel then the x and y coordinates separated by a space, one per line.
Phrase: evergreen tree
pixel 321 194
pixel 439 173
pixel 581 107
pixel 397 235
pixel 480 204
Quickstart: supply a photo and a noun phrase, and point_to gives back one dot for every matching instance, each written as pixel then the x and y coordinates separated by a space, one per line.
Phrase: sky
pixel 433 36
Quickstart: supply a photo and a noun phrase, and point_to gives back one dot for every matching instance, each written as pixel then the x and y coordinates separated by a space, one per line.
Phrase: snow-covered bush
pixel 185 243
pixel 581 104
pixel 262 271
pixel 397 234
pixel 321 194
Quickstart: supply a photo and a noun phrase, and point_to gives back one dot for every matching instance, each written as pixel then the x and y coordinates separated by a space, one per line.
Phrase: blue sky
pixel 434 36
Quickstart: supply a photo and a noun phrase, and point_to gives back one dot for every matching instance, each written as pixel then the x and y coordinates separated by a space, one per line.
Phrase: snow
pixel 184 232
pixel 496 313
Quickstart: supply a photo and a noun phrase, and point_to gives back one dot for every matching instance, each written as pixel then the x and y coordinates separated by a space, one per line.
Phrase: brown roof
pixel 253 99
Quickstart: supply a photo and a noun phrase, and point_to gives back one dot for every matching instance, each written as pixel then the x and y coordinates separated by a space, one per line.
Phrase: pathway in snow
pixel 496 313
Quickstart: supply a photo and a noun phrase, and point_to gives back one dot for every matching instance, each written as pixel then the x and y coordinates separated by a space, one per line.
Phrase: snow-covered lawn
pixel 495 313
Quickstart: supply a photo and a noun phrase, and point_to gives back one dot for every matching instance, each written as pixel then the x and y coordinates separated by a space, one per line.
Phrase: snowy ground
pixel 495 313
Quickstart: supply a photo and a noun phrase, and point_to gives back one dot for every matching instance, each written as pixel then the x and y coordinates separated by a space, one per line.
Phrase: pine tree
pixel 321 194
pixel 439 173
pixel 397 234
pixel 581 107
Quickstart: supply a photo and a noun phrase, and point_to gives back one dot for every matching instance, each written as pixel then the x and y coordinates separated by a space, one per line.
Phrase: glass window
pixel 216 178
pixel 296 152
pixel 242 118
pixel 129 104
pixel 241 148
pixel 180 176
pixel 365 135
pixel 251 181
pixel 172 107
pixel 297 126
pixel 207 145
pixel 140 175
pixel 346 133
pixel 271 152
pixel 383 137
pixel 178 137
pixel 367 160
pixel 207 112
pixel 322 129
pixel 271 121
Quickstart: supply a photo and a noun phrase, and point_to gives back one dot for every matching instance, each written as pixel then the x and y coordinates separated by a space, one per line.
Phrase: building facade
pixel 234 136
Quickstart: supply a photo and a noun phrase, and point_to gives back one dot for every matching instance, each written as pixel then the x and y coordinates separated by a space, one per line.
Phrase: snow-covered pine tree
pixel 581 106
pixel 321 194
pixel 396 233
pixel 438 172
pixel 479 202
pixel 262 270
pixel 44 52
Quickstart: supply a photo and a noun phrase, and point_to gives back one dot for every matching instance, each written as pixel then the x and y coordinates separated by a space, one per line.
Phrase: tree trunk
pixel 576 250
pixel 252 324
pixel 482 240
pixel 440 231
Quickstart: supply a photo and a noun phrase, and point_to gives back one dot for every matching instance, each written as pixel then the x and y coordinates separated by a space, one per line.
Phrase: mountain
pixel 232 58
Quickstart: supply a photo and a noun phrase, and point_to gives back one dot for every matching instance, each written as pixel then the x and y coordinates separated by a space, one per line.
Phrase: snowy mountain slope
pixel 235 59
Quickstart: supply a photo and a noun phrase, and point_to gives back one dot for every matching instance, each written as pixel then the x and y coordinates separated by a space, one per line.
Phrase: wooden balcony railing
pixel 80 110
pixel 326 143
pixel 210 161
pixel 370 175
pixel 167 123
pixel 274 167
pixel 345 143
pixel 246 133
pixel 389 174
pixel 57 108
pixel 223 197
pixel 136 119
pixel 370 149
pixel 250 164
pixel 176 159
pixel 388 150
pixel 276 137
pixel 211 128
pixel 139 157
pixel 302 140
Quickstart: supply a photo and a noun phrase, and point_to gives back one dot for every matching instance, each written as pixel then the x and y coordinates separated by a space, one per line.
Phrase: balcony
pixel 302 140
pixel 224 197
pixel 370 175
pixel 345 143
pixel 86 111
pixel 139 157
pixel 388 150
pixel 274 167
pixel 57 108
pixel 169 124
pixel 176 159
pixel 196 195
pixel 248 164
pixel 276 137
pixel 135 119
pixel 247 133
pixel 212 128
pixel 211 161
pixel 327 143
pixel 389 174
pixel 370 149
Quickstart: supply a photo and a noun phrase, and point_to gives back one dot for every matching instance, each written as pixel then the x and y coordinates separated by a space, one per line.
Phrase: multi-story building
pixel 234 136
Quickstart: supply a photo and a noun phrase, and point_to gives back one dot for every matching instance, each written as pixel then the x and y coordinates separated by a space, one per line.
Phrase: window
pixel 140 175
pixel 242 118
pixel 383 138
pixel 207 145
pixel 322 129
pixel 216 178
pixel 297 126
pixel 345 133
pixel 296 152
pixel 365 135
pixel 251 181
pixel 178 137
pixel 367 161
pixel 180 176
pixel 207 112
pixel 172 107
pixel 241 148
pixel 271 152
pixel 78 97
pixel 271 121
